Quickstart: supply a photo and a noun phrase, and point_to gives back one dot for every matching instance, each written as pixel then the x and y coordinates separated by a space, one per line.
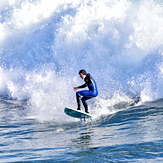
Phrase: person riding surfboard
pixel 86 94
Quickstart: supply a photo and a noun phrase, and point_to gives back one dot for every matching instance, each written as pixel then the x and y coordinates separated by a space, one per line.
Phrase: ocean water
pixel 44 44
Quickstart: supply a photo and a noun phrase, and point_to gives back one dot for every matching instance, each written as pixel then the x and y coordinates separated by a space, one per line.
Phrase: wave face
pixel 44 43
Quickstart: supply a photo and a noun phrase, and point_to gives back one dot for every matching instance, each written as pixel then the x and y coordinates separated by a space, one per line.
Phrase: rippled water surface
pixel 131 135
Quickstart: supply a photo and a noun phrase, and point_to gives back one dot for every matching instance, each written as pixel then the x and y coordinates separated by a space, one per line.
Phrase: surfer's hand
pixel 76 88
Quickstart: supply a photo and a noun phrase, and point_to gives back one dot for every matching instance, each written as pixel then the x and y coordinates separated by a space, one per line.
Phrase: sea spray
pixel 43 45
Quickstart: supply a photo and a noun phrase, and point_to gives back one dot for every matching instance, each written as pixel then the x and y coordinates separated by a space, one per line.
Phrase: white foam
pixel 43 45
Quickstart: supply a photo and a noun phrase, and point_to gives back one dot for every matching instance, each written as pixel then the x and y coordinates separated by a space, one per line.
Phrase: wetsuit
pixel 86 94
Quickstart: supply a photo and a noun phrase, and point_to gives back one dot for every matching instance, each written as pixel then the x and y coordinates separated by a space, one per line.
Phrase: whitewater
pixel 44 44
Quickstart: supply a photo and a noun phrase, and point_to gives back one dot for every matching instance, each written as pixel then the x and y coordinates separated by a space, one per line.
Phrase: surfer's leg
pixel 85 103
pixel 78 99
pixel 86 95
pixel 85 106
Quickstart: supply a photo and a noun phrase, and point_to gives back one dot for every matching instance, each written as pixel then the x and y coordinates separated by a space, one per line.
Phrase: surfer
pixel 86 94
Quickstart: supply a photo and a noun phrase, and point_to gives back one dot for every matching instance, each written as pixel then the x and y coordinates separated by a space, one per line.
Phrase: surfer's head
pixel 82 73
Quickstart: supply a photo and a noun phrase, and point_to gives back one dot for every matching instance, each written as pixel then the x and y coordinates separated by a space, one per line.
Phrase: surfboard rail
pixel 77 113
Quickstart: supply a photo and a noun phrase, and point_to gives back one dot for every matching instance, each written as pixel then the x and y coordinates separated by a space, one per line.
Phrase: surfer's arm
pixel 82 86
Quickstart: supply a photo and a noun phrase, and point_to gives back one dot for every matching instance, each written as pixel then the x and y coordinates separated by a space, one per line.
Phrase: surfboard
pixel 77 114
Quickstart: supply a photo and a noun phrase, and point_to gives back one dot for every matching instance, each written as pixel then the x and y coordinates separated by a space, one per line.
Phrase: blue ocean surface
pixel 44 44
pixel 130 135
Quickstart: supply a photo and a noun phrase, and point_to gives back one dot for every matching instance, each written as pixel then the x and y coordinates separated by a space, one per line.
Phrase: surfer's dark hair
pixel 83 72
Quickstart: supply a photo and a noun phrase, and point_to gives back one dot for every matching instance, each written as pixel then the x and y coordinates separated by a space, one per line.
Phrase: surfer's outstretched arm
pixel 82 86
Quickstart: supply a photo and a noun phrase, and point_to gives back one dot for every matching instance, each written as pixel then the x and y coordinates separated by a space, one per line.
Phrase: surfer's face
pixel 82 76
